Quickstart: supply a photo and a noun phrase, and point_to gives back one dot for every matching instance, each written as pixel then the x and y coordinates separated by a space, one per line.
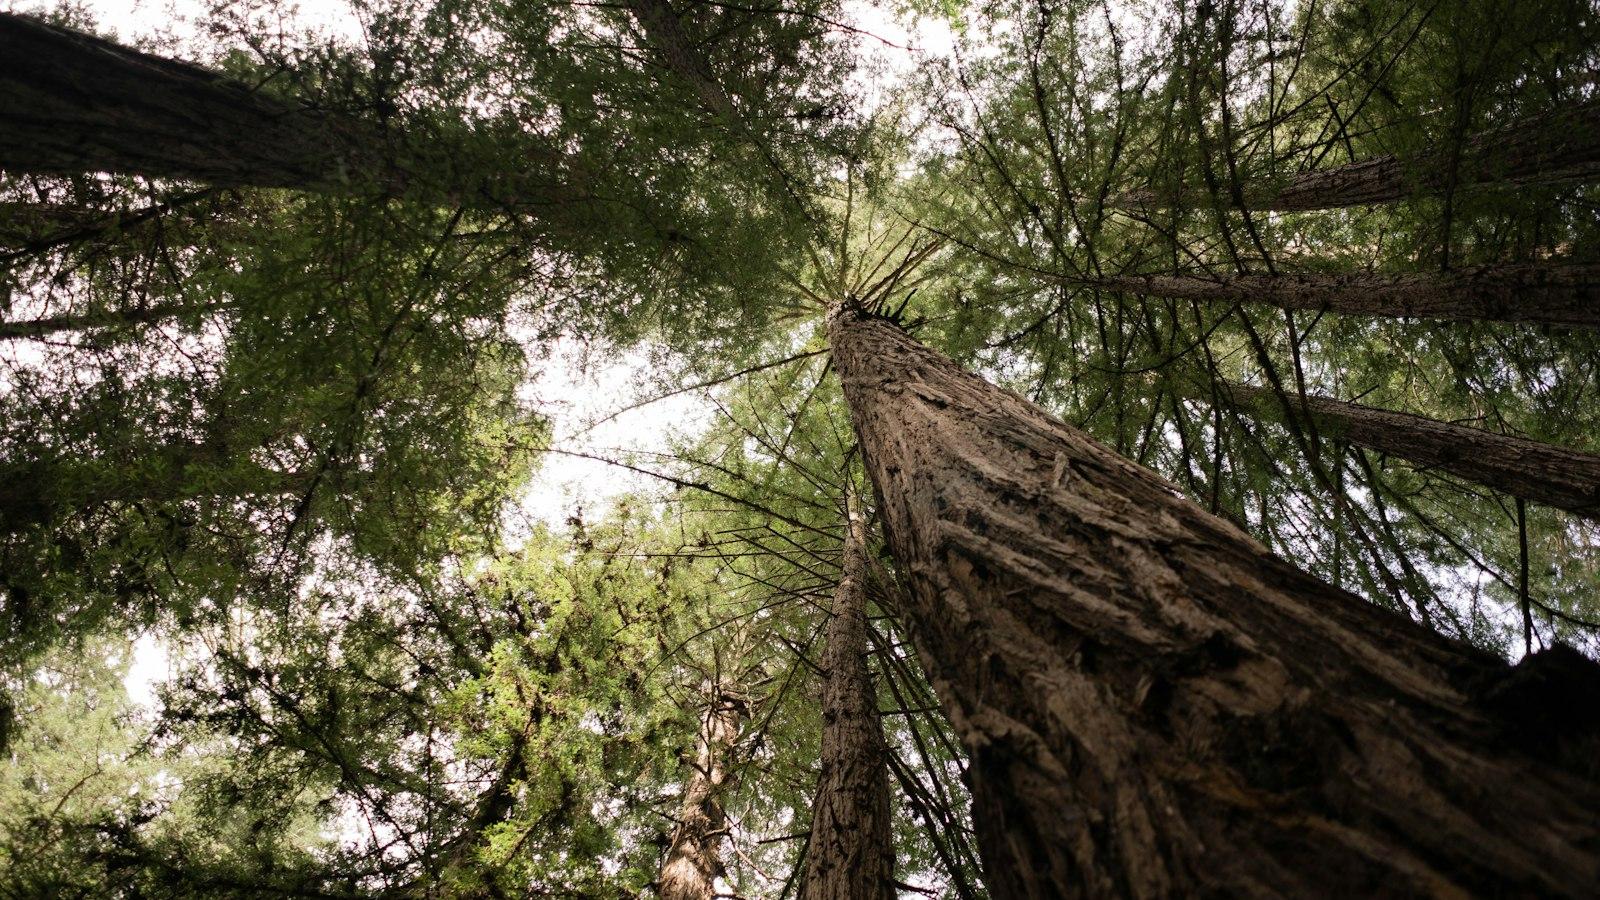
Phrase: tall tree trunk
pixel 71 102
pixel 694 858
pixel 1566 479
pixel 30 228
pixel 1554 148
pixel 1155 705
pixel 120 319
pixel 1547 294
pixel 665 33
pixel 851 853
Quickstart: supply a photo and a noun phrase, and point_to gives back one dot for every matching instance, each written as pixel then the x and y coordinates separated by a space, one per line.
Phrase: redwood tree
pixel 1155 704
pixel 1558 147
pixel 1566 295
pixel 694 858
pixel 71 102
pixel 1563 478
pixel 851 852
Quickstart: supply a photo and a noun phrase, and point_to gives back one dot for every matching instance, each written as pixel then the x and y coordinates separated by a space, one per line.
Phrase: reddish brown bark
pixel 694 858
pixel 1567 295
pixel 1155 705
pixel 851 854
pixel 1566 479
pixel 1555 148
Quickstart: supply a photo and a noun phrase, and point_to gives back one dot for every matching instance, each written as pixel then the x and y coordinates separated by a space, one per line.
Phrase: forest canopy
pixel 1047 449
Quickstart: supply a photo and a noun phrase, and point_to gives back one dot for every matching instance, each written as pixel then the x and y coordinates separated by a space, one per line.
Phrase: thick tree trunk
pixel 1155 705
pixel 694 858
pixel 1566 295
pixel 71 102
pixel 1567 479
pixel 851 853
pixel 1554 148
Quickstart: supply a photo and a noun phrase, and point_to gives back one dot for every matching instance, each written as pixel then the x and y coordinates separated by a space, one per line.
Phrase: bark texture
pixel 1155 705
pixel 1563 478
pixel 694 858
pixel 1555 148
pixel 1567 295
pixel 851 854
pixel 71 102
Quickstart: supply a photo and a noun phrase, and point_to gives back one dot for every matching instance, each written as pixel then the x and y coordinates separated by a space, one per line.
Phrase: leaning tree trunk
pixel 1155 705
pixel 111 319
pixel 694 858
pixel 1544 473
pixel 71 103
pixel 1566 295
pixel 851 854
pixel 1554 148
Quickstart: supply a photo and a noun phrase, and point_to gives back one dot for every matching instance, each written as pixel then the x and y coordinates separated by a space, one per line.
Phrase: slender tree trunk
pixel 71 102
pixel 1566 479
pixel 1566 295
pixel 694 858
pixel 27 229
pixel 851 853
pixel 665 33
pixel 1554 148
pixel 47 326
pixel 1155 705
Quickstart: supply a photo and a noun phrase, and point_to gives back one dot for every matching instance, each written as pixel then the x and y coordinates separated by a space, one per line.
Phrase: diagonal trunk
pixel 118 319
pixel 1555 148
pixel 851 854
pixel 1566 295
pixel 71 102
pixel 1544 473
pixel 1155 705
pixel 694 858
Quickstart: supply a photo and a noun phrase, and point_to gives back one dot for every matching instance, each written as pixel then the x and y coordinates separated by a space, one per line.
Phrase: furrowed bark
pixel 851 854
pixel 1155 705
pixel 1544 473
pixel 71 102
pixel 1566 295
pixel 1555 148
pixel 694 858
